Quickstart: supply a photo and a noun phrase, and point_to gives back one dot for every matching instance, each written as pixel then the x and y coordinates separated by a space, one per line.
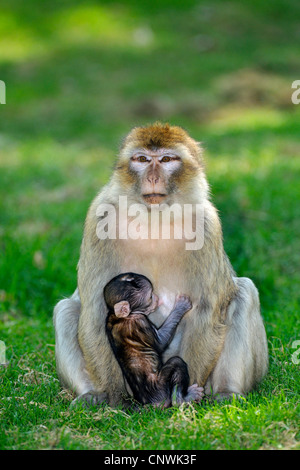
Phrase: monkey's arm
pixel 167 330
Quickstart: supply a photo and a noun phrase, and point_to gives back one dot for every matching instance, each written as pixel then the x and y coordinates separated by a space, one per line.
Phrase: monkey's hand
pixel 183 302
pixel 167 330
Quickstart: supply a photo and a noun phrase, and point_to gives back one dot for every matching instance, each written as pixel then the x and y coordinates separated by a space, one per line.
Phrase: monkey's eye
pixel 166 158
pixel 142 159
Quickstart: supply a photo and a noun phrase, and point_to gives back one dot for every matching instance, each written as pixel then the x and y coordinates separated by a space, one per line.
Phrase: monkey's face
pixel 149 303
pixel 131 293
pixel 157 162
pixel 140 295
pixel 155 170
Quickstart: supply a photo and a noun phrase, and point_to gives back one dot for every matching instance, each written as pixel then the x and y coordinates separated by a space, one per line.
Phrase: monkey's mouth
pixel 154 198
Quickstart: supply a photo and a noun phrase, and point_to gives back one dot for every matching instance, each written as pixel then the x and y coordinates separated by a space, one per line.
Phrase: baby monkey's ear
pixel 122 309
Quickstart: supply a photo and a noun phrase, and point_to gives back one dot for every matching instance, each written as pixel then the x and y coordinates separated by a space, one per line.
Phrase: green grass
pixel 77 79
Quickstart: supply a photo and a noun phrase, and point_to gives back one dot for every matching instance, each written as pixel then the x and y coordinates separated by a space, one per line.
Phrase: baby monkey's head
pixel 130 293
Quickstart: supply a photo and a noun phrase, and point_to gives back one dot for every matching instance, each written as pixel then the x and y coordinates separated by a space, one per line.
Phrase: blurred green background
pixel 79 75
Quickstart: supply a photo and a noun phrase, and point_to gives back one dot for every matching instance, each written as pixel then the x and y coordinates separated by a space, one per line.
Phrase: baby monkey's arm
pixel 166 332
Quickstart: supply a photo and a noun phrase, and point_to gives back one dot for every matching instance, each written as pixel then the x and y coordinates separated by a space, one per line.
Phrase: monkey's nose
pixel 153 179
pixel 157 301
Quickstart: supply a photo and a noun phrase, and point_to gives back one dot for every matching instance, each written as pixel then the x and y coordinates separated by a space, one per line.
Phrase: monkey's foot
pixel 221 396
pixel 194 393
pixel 90 398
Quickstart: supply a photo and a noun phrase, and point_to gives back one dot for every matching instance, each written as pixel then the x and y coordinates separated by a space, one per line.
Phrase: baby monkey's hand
pixel 183 303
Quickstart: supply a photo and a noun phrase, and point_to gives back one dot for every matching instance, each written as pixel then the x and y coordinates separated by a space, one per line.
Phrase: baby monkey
pixel 138 345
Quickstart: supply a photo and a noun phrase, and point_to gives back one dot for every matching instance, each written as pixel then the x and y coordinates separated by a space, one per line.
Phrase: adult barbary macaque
pixel 222 338
pixel 138 345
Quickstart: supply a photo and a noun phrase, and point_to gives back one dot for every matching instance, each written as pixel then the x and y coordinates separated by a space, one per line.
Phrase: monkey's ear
pixel 122 309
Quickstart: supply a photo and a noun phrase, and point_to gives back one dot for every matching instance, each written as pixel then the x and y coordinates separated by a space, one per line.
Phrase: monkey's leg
pixel 174 377
pixel 69 359
pixel 244 358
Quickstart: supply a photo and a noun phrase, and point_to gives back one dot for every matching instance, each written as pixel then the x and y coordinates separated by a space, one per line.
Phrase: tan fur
pixel 206 334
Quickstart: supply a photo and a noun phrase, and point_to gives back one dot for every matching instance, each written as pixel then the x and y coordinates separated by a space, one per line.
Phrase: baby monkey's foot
pixel 194 393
